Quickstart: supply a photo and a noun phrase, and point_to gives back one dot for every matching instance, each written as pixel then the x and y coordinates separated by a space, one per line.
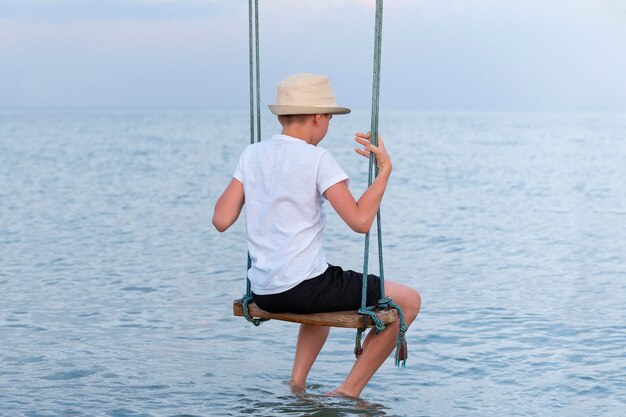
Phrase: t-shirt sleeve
pixel 329 173
pixel 238 174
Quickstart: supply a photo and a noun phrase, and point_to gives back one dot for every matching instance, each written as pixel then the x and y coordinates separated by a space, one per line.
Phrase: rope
pixel 250 59
pixel 248 297
pixel 378 33
pixel 258 71
pixel 372 159
pixel 384 302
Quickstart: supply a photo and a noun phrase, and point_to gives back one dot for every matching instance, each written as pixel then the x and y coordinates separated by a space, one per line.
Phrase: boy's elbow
pixel 361 226
pixel 362 229
pixel 220 225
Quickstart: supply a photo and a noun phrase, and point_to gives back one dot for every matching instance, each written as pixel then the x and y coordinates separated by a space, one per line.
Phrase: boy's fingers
pixel 362 152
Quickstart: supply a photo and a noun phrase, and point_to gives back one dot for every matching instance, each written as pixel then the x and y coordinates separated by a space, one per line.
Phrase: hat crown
pixel 306 93
pixel 306 90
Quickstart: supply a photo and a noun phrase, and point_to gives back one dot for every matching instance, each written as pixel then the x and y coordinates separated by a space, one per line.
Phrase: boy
pixel 284 182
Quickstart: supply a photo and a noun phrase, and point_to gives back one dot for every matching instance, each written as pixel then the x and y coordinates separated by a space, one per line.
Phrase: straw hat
pixel 306 94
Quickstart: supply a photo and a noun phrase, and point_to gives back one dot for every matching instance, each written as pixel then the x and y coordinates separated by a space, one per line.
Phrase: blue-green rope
pixel 248 297
pixel 384 302
pixel 258 71
pixel 251 61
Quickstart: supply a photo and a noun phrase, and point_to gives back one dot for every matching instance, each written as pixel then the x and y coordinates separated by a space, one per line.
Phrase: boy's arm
pixel 228 206
pixel 360 215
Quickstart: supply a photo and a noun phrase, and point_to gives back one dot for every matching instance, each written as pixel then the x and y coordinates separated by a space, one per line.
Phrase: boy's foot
pixel 337 393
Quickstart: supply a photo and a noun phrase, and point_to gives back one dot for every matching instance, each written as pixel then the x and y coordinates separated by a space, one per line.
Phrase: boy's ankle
pixel 296 387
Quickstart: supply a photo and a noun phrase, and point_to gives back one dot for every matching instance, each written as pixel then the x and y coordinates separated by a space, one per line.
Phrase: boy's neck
pixel 298 132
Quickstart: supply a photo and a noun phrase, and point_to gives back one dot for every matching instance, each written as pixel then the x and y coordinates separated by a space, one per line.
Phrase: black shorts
pixel 334 290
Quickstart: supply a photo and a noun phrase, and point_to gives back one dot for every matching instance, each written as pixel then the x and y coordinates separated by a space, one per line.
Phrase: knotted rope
pixel 254 71
pixel 384 302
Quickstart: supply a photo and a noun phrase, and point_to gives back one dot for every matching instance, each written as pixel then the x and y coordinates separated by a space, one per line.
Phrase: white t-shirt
pixel 284 179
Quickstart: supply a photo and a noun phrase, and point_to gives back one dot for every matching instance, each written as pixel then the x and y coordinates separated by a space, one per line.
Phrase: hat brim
pixel 285 110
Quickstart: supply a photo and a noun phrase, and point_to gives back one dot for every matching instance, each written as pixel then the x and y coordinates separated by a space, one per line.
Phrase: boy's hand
pixel 382 157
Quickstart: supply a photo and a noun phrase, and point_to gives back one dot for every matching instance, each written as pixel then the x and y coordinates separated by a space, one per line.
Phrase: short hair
pixel 288 119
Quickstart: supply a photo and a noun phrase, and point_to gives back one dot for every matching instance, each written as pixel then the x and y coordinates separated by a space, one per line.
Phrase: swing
pixel 385 311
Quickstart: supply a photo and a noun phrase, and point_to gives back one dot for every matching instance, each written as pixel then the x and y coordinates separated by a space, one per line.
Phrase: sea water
pixel 116 292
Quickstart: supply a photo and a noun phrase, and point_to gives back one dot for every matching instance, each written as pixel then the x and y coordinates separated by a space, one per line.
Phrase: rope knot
pixel 379 326
pixel 384 302
pixel 402 351
pixel 247 299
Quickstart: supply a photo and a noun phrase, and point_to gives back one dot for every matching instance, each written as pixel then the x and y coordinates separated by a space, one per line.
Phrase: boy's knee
pixel 409 299
pixel 414 304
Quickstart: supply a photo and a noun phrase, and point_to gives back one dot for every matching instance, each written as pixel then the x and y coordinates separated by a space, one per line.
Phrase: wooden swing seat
pixel 349 319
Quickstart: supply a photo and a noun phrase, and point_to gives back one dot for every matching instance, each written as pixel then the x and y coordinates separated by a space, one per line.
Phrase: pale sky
pixel 475 55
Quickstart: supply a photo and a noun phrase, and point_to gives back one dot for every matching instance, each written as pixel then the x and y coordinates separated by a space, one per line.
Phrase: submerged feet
pixel 300 389
pixel 337 393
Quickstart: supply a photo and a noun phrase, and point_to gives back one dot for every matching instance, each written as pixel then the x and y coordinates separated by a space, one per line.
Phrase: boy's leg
pixel 378 347
pixel 311 339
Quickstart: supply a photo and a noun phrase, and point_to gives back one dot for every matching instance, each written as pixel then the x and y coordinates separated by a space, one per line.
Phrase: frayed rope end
pixel 357 345
pixel 402 351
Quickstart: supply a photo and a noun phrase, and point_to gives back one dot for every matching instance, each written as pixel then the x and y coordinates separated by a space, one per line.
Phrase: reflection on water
pixel 115 293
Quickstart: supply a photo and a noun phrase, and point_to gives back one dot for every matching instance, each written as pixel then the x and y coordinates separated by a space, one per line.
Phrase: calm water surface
pixel 115 292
